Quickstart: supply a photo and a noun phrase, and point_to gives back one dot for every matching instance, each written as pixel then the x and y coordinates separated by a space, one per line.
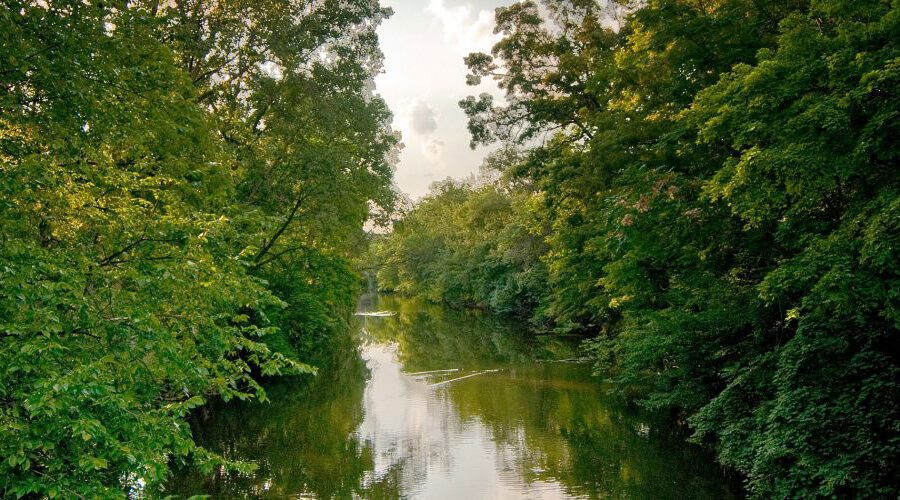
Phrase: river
pixel 436 403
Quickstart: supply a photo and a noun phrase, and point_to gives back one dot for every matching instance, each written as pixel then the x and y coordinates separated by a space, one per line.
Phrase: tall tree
pixel 720 186
pixel 135 239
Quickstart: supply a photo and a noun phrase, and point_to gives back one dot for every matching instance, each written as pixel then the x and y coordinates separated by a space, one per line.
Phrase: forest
pixel 709 192
pixel 706 192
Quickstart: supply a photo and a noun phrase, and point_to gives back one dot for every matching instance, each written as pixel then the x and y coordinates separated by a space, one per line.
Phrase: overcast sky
pixel 424 43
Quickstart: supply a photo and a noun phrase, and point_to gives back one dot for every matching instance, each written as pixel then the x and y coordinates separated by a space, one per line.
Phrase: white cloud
pixel 467 30
pixel 424 48
pixel 433 150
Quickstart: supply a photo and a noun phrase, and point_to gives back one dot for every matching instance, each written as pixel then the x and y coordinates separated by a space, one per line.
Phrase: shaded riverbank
pixel 438 403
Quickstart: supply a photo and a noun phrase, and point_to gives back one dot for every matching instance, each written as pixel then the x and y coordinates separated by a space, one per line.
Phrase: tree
pixel 718 184
pixel 137 237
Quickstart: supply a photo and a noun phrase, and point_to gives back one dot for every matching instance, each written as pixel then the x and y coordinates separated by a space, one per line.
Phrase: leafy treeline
pixel 710 189
pixel 468 245
pixel 180 185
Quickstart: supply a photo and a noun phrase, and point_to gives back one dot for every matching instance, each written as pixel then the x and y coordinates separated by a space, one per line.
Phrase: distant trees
pixel 716 187
pixel 468 246
pixel 180 183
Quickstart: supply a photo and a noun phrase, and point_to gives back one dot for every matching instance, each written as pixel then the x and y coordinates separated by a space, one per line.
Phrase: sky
pixel 424 43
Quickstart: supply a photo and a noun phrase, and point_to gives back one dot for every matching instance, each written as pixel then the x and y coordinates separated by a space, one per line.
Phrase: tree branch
pixel 287 221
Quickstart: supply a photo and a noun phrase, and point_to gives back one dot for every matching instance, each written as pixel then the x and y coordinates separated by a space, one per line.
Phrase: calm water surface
pixel 434 403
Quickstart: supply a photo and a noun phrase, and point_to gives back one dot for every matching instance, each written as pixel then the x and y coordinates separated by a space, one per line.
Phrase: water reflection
pixel 435 403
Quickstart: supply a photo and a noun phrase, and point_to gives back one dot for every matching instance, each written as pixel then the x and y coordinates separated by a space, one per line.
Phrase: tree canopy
pixel 180 185
pixel 711 190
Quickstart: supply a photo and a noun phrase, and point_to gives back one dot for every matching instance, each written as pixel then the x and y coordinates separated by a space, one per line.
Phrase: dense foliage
pixel 711 190
pixel 180 183
pixel 467 245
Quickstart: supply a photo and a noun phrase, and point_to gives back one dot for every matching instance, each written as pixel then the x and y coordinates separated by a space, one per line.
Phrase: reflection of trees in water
pixel 434 337
pixel 303 440
pixel 553 423
pixel 549 422
pixel 336 437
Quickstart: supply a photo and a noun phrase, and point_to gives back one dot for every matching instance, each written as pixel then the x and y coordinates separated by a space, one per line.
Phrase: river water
pixel 434 403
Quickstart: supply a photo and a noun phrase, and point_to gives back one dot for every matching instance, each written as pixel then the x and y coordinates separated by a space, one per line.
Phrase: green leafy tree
pixel 469 244
pixel 719 193
pixel 156 162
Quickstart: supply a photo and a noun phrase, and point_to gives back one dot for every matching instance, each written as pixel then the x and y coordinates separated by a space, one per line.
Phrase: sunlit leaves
pixel 129 293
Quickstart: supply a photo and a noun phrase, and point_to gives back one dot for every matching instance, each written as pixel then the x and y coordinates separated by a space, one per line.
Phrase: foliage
pixel 161 166
pixel 719 185
pixel 468 245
